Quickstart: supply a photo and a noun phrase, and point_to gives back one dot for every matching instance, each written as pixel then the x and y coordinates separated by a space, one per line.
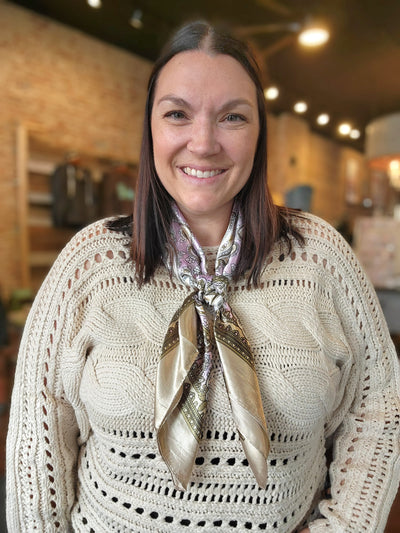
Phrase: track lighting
pixel 136 20
pixel 96 4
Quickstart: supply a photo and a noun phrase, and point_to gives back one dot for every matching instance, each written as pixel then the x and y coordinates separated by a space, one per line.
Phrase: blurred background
pixel 73 77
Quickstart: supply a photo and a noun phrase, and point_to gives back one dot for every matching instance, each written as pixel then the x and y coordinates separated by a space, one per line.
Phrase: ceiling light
pixel 136 19
pixel 313 37
pixel 310 33
pixel 313 33
pixel 94 3
pixel 300 107
pixel 271 93
pixel 355 134
pixel 323 119
pixel 344 128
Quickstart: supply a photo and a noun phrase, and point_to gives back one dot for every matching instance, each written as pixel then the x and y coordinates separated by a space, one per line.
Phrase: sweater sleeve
pixel 42 440
pixel 365 470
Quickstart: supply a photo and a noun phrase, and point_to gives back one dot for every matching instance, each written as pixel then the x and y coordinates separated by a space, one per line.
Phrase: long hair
pixel 264 222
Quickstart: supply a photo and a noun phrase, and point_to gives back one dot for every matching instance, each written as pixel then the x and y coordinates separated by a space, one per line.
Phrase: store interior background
pixel 73 81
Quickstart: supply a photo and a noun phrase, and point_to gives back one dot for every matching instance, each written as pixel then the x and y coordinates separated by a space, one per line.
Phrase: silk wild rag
pixel 204 320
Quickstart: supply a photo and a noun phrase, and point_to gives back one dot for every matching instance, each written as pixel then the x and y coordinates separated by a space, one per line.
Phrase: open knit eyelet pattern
pixel 84 394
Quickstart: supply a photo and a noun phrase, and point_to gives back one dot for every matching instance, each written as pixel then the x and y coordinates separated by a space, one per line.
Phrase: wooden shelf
pixel 40 166
pixel 40 198
pixel 40 240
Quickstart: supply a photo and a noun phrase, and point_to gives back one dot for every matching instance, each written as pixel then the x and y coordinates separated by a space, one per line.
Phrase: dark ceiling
pixel 354 77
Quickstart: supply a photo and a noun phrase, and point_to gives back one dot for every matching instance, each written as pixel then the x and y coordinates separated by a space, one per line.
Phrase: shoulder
pixel 324 255
pixel 94 248
pixel 96 238
pixel 329 259
pixel 314 227
pixel 321 237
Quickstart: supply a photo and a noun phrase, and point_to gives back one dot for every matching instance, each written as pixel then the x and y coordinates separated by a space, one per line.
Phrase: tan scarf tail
pixel 176 434
pixel 244 394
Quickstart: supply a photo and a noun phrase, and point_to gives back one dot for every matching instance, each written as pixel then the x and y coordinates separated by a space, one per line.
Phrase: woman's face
pixel 205 129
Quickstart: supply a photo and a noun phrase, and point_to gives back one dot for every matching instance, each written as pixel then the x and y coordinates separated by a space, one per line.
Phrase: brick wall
pixel 299 156
pixel 77 93
pixel 70 90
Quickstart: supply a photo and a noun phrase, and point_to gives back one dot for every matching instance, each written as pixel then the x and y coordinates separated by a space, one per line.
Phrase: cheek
pixel 165 146
pixel 244 152
pixel 158 142
pixel 160 152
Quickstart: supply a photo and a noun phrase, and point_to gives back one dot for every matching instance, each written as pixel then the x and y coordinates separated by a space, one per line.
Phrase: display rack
pixel 40 240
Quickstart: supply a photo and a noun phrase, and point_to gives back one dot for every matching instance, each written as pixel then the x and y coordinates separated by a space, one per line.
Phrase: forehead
pixel 197 72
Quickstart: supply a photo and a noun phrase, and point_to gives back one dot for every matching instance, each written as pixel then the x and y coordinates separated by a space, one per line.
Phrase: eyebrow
pixel 181 102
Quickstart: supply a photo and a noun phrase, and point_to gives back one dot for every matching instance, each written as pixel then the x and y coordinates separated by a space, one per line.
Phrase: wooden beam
pixel 22 202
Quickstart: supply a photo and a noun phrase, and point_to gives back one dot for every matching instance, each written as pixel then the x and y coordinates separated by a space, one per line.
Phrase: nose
pixel 203 139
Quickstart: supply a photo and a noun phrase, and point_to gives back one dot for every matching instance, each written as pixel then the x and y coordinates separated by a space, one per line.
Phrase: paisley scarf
pixel 205 320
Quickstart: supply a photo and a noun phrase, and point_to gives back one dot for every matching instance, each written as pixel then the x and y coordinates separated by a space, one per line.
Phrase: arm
pixel 42 438
pixel 365 426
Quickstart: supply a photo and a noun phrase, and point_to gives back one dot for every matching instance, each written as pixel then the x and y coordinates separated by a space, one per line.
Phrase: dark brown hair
pixel 264 222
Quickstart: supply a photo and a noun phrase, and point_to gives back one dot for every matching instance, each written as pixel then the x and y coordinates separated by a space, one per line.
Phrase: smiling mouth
pixel 200 173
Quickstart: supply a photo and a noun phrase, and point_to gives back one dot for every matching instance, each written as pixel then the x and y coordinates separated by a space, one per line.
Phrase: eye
pixel 234 117
pixel 175 115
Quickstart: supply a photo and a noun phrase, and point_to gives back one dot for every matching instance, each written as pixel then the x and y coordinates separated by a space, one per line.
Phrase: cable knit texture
pixel 81 450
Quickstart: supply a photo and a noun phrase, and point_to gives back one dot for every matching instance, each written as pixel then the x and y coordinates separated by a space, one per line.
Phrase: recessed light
pixel 271 93
pixel 323 119
pixel 355 134
pixel 344 128
pixel 300 107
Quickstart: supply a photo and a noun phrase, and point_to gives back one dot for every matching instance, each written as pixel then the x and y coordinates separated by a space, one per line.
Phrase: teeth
pixel 199 173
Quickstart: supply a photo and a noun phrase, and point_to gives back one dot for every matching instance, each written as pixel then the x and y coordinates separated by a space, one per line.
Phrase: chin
pixel 205 208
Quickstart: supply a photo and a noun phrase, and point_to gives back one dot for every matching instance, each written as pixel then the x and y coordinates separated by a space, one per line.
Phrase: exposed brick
pixel 71 91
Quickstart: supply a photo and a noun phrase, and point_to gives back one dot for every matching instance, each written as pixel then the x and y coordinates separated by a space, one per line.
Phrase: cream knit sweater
pixel 82 453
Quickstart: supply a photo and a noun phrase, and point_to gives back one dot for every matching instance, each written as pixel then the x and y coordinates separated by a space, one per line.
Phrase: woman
pixel 202 377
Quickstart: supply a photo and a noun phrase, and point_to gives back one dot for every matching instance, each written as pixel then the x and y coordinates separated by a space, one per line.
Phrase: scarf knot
pixel 212 290
pixel 188 350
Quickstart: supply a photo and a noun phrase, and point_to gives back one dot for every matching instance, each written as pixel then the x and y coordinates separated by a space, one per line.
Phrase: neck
pixel 207 238
pixel 209 230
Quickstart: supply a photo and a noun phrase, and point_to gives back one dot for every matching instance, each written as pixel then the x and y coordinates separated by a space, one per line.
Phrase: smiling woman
pixel 215 361
pixel 204 141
